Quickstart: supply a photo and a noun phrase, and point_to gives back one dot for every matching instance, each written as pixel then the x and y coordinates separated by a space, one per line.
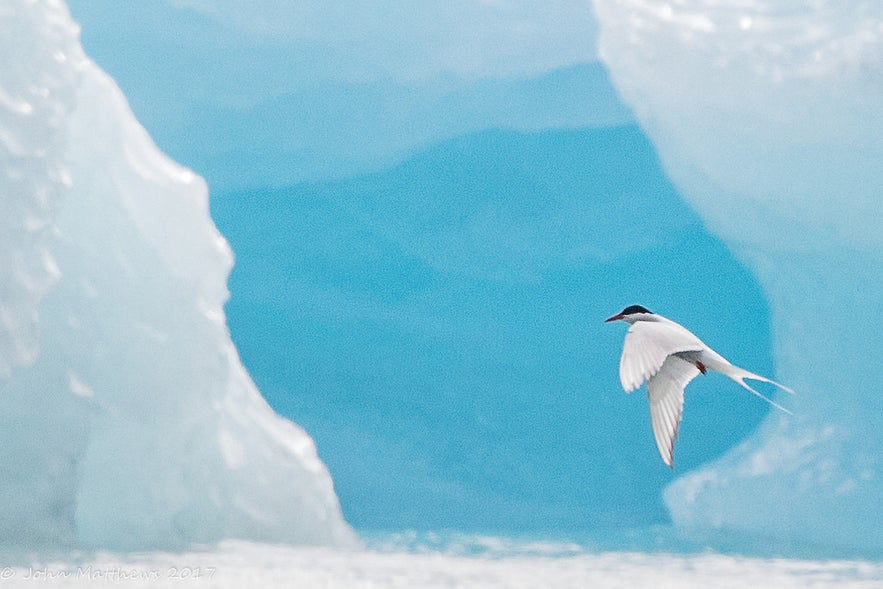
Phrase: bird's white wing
pixel 665 391
pixel 647 345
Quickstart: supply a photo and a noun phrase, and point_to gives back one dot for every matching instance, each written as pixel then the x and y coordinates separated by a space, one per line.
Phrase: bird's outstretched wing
pixel 647 345
pixel 665 391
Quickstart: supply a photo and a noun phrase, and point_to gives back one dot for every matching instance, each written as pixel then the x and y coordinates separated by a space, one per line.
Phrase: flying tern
pixel 668 356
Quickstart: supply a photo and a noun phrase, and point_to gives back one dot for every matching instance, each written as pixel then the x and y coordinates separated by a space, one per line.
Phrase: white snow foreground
pixel 504 566
pixel 768 114
pixel 126 417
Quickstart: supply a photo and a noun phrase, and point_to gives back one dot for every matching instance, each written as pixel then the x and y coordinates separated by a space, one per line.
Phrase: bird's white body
pixel 667 356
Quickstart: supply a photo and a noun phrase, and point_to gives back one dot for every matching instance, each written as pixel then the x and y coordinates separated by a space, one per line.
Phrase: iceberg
pixel 768 115
pixel 126 417
pixel 435 324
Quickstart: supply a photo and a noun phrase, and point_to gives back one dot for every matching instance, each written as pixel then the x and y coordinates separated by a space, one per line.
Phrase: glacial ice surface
pixel 126 417
pixel 486 562
pixel 769 117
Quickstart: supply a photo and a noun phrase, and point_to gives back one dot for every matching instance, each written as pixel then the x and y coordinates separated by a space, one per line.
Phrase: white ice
pixel 504 565
pixel 768 114
pixel 126 417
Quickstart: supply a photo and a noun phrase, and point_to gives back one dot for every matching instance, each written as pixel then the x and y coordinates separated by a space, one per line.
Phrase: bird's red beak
pixel 616 317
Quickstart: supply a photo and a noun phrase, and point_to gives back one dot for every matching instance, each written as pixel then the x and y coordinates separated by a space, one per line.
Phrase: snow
pixel 768 116
pixel 502 564
pixel 126 417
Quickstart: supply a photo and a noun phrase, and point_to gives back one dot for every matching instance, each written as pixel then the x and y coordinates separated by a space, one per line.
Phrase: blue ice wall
pixel 438 328
pixel 436 324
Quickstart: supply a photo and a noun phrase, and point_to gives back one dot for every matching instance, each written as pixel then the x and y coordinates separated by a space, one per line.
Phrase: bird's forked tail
pixel 740 374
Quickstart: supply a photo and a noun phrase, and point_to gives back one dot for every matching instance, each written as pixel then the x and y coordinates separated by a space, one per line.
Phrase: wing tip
pixel 666 446
pixel 670 458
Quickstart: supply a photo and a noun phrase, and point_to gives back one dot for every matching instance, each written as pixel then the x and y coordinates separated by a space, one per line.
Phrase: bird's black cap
pixel 630 310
